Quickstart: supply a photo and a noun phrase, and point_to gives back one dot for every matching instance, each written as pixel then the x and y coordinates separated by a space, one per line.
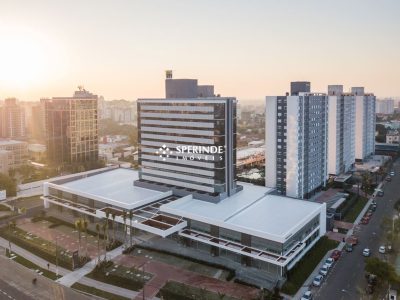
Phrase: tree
pixel 84 227
pixel 105 229
pixel 8 184
pixel 124 218
pixel 366 182
pixel 130 221
pixel 113 226
pixel 396 205
pixel 78 226
pixel 382 270
pixel 107 219
pixel 98 242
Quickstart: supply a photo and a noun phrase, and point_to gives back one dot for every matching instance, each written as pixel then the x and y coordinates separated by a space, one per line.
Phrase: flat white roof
pixel 114 187
pixel 252 211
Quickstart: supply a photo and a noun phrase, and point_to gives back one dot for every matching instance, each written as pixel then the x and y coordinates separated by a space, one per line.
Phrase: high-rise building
pixel 364 123
pixel 6 159
pixel 37 124
pixel 341 130
pixel 189 144
pixel 12 120
pixel 385 106
pixel 19 150
pixel 72 128
pixel 296 143
pixel 297 87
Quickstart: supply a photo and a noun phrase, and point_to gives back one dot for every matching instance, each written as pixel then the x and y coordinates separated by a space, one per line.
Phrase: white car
pixel 324 270
pixel 392 173
pixel 382 249
pixel 318 280
pixel 307 296
pixel 366 252
pixel 329 262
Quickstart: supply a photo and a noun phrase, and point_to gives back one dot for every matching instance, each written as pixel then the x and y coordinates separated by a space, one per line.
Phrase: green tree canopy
pixel 8 184
pixel 381 269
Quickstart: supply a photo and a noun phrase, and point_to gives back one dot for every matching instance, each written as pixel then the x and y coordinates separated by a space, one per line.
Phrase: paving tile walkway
pixel 76 275
pixel 163 272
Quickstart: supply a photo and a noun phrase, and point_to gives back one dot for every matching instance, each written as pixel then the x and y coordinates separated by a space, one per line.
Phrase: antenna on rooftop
pixel 168 74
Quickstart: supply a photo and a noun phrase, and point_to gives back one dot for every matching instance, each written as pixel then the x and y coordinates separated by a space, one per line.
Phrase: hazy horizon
pixel 247 49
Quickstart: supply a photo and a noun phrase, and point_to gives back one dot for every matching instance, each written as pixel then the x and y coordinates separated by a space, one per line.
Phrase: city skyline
pixel 121 49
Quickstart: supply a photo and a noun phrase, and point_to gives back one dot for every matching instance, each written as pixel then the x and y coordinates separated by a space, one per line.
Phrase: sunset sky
pixel 248 49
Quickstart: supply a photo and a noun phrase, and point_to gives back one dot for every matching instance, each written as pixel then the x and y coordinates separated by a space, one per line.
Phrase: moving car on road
pixel 366 252
pixel 318 280
pixel 382 249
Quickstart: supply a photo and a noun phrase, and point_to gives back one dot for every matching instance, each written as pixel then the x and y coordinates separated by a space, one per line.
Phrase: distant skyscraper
pixel 12 120
pixel 385 106
pixel 364 123
pixel 72 128
pixel 296 143
pixel 341 130
pixel 297 87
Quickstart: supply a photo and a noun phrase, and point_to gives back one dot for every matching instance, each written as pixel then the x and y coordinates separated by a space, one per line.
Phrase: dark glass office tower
pixel 188 146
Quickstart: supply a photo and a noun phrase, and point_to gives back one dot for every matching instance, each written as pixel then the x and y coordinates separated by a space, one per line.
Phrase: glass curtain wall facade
pixel 189 146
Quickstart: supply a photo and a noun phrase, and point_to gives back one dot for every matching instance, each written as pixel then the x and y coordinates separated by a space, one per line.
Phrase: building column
pixel 214 231
pixel 246 240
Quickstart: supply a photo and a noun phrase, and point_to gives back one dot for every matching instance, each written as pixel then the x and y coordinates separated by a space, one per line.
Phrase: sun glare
pixel 24 59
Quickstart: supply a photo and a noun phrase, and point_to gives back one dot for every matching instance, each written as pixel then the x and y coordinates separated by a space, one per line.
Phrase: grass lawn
pixel 182 263
pixel 355 210
pixel 128 278
pixel 178 291
pixel 30 265
pixel 27 202
pixel 37 246
pixel 307 264
pixel 96 292
pixel 4 208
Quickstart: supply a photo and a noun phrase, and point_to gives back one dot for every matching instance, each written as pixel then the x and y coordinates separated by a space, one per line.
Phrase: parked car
pixel 318 280
pixel 382 249
pixel 336 254
pixel 324 270
pixel 365 221
pixel 349 248
pixel 307 296
pixel 366 252
pixel 379 192
pixel 329 262
pixel 372 207
pixel 368 214
pixel 373 202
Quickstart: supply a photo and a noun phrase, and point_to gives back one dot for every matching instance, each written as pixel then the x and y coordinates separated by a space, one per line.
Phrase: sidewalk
pixel 76 275
pixel 83 280
pixel 31 257
pixel 310 278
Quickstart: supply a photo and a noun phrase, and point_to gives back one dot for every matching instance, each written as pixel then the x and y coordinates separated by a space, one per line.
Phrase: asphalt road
pixel 346 280
pixel 12 293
